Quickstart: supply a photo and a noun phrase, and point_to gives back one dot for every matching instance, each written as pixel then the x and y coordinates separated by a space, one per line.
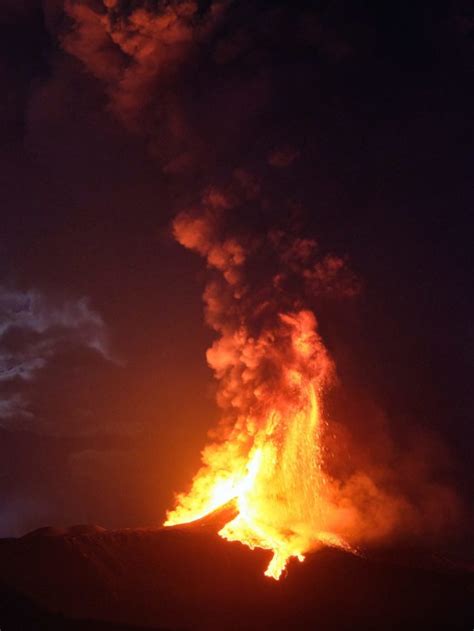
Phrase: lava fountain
pixel 272 368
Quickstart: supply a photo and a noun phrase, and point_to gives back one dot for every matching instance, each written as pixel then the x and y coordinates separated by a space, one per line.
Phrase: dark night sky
pixel 105 396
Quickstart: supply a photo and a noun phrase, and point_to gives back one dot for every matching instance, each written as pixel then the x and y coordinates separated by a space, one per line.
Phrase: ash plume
pixel 267 276
pixel 142 52
pixel 167 68
pixel 263 291
pixel 260 282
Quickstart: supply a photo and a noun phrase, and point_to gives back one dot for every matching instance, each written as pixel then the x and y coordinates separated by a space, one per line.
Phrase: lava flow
pixel 272 366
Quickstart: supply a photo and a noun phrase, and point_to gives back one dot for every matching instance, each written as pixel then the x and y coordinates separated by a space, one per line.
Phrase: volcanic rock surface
pixel 189 578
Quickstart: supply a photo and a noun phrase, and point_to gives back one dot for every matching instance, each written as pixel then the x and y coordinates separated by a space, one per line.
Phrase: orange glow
pixel 269 460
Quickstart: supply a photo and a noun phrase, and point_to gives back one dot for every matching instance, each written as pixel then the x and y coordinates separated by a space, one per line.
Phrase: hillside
pixel 188 578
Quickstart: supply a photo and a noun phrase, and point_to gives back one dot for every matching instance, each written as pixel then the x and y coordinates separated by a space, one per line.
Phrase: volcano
pixel 186 577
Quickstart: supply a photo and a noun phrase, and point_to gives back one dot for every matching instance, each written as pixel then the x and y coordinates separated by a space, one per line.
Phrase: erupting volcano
pixel 272 368
pixel 278 486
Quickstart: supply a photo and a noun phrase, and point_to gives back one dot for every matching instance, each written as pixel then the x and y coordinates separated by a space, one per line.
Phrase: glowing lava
pixel 272 367
pixel 271 467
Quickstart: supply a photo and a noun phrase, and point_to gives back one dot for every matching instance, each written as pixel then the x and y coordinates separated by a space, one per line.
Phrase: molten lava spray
pixel 271 366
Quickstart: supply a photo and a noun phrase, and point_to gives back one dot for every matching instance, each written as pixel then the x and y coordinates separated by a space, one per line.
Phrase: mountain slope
pixel 189 578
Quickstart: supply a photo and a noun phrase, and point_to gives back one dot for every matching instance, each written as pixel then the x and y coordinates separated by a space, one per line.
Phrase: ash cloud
pixel 197 79
pixel 144 56
pixel 389 483
pixel 385 483
pixel 201 81
pixel 135 50
pixel 146 59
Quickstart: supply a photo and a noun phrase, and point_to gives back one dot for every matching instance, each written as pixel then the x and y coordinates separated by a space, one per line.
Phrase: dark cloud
pixel 198 80
pixel 138 52
pixel 33 329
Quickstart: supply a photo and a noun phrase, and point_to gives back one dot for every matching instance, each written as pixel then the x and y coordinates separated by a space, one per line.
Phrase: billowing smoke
pixel 196 78
pixel 266 281
pixel 258 296
pixel 268 276
pixel 138 51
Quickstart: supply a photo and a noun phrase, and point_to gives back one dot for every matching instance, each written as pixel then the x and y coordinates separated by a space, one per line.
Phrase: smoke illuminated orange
pixel 271 464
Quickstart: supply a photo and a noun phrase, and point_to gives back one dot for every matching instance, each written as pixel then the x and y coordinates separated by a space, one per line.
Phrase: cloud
pixel 389 483
pixel 133 51
pixel 33 329
pixel 146 55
